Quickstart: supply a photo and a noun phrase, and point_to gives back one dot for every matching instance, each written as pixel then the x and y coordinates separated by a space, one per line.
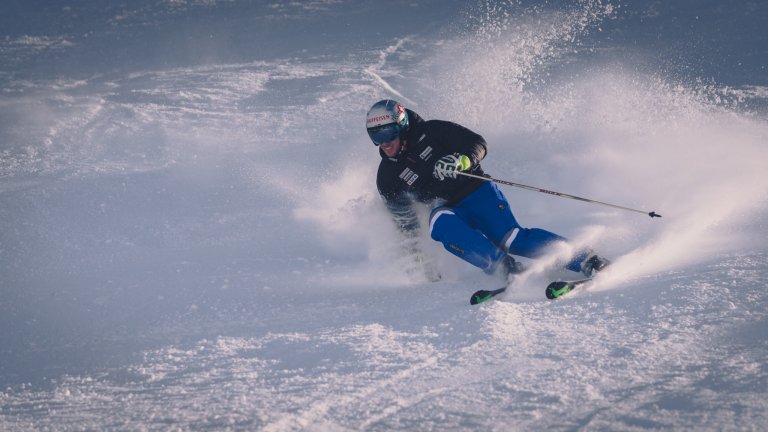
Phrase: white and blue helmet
pixel 385 121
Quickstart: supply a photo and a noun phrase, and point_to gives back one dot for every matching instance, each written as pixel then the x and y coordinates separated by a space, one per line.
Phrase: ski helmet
pixel 386 120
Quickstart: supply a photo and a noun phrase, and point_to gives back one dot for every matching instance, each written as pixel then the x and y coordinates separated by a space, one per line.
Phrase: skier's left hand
pixel 448 165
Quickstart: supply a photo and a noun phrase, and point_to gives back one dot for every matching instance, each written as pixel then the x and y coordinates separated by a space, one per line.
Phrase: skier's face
pixel 391 148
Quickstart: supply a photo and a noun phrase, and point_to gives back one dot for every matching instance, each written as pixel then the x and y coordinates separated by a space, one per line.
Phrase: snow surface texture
pixel 190 236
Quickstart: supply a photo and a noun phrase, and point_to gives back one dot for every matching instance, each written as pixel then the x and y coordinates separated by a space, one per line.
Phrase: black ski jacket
pixel 407 177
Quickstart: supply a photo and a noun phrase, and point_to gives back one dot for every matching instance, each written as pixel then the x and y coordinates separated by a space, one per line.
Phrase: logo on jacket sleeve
pixel 409 176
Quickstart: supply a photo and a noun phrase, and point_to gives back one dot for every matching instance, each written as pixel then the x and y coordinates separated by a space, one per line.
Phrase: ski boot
pixel 510 267
pixel 594 264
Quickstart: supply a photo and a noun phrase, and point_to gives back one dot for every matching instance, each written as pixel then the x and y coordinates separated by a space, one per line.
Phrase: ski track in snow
pixel 673 359
pixel 202 247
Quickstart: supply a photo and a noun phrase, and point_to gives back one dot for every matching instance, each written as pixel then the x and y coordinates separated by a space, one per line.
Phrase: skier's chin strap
pixel 403 146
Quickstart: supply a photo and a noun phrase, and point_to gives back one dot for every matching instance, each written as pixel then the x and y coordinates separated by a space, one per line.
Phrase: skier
pixel 471 217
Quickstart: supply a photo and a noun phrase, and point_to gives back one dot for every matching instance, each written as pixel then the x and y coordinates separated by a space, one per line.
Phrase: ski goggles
pixel 383 134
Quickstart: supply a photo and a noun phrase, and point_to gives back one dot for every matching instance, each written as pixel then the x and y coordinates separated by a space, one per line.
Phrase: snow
pixel 191 239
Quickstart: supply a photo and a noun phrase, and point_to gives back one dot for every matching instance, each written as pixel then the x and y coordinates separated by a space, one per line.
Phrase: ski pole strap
pixel 560 194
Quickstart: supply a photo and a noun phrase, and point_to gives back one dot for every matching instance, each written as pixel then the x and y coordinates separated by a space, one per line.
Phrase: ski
pixel 561 288
pixel 485 295
pixel 554 290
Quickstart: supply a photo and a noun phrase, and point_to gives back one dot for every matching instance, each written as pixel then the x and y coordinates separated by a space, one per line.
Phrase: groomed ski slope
pixel 198 245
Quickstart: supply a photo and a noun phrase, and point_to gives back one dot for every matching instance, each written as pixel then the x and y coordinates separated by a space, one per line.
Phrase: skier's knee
pixel 435 228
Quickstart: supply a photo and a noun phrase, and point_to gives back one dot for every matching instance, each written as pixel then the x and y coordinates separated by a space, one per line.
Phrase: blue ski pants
pixel 481 229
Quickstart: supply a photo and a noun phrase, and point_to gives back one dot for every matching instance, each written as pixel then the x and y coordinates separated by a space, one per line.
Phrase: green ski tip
pixel 561 288
pixel 484 295
pixel 557 289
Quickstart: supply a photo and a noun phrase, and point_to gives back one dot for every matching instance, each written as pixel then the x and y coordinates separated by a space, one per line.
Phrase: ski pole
pixel 560 194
